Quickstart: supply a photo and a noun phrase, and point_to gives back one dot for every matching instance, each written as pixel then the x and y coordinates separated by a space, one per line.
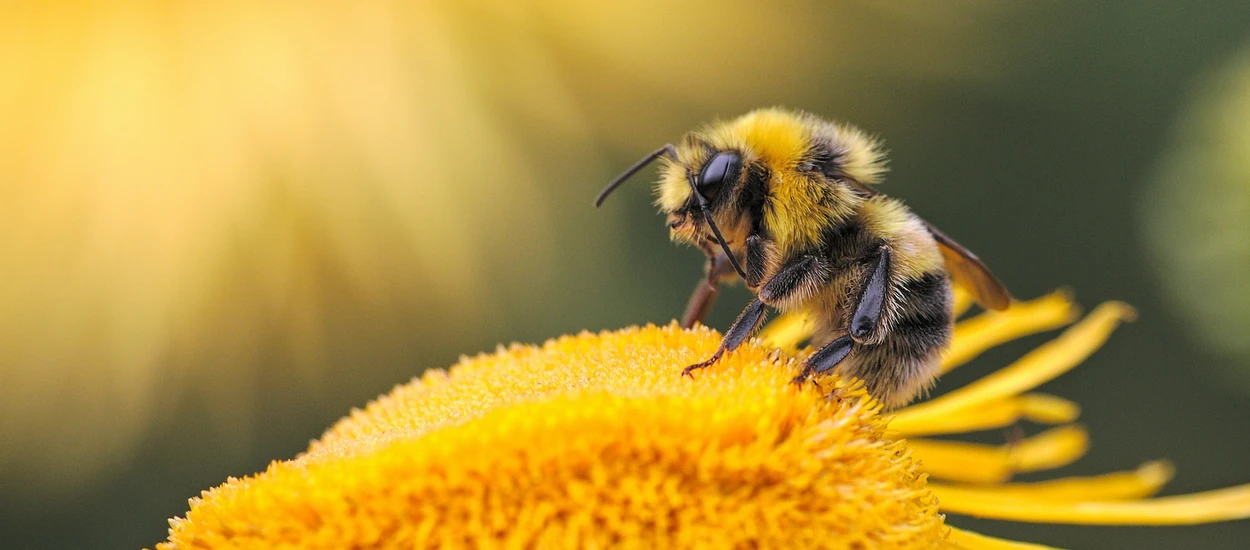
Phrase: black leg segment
pixel 826 358
pixel 800 275
pixel 744 326
pixel 867 316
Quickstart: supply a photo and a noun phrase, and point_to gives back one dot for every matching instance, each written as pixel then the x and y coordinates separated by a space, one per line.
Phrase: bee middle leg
pixel 866 326
pixel 744 326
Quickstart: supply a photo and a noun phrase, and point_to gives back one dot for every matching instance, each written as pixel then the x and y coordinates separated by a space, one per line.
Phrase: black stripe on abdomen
pixel 923 321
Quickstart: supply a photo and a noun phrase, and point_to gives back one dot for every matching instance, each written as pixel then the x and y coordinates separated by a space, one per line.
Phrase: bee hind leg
pixel 826 358
pixel 866 322
pixel 744 326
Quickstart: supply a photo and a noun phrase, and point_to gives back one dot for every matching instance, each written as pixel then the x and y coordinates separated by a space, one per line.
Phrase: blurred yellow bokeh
pixel 165 161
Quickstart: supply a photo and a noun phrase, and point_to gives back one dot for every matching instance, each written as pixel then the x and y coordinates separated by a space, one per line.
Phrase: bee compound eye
pixel 720 169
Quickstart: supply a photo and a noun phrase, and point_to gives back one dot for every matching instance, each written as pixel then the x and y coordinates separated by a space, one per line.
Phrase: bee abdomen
pixel 908 359
pixel 922 319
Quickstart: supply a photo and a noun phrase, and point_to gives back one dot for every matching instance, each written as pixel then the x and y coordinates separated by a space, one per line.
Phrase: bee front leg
pixel 750 319
pixel 719 270
pixel 707 289
pixel 744 326
pixel 701 300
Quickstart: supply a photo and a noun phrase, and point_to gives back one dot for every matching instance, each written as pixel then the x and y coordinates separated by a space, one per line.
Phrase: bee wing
pixel 964 267
pixel 969 272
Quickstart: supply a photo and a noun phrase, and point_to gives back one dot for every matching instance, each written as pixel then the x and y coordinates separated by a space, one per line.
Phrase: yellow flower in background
pixel 596 440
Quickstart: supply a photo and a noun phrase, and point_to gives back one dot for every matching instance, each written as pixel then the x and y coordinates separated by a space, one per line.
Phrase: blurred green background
pixel 223 225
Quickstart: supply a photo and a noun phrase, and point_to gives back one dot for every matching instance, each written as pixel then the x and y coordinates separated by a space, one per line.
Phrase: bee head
pixel 704 182
pixel 702 190
pixel 710 182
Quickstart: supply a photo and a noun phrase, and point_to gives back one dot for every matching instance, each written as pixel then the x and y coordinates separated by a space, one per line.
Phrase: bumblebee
pixel 784 200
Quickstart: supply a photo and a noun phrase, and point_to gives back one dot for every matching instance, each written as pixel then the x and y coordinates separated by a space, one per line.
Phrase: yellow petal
pixel 1050 449
pixel 1048 409
pixel 1037 367
pixel 1210 506
pixel 1146 480
pixel 977 463
pixel 1036 407
pixel 959 461
pixel 989 329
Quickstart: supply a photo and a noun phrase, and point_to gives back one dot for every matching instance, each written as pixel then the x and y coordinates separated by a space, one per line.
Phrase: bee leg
pixel 799 277
pixel 825 358
pixel 701 300
pixel 744 326
pixel 866 323
pixel 755 262
pixel 865 326
pixel 706 291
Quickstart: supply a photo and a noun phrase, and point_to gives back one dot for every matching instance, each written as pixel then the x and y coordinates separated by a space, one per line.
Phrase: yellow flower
pixel 596 440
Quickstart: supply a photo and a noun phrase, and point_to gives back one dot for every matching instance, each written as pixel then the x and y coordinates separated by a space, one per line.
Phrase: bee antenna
pixel 612 185
pixel 707 215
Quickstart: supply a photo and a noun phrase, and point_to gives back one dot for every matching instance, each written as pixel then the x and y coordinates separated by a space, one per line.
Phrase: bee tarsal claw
pixel 688 371
pixel 803 377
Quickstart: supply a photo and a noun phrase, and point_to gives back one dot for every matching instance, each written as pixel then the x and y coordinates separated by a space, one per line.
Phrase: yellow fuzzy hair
pixel 915 251
pixel 798 211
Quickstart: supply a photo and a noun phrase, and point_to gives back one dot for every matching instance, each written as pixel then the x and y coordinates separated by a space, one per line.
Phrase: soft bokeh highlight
pixel 1197 215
